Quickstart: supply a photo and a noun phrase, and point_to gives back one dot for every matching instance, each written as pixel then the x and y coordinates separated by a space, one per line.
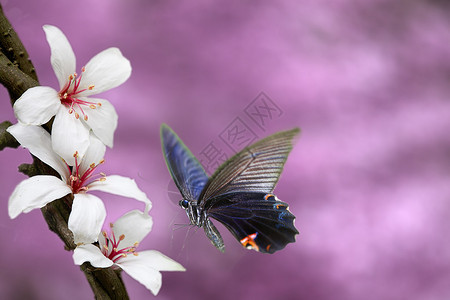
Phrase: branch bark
pixel 13 47
pixel 6 139
pixel 17 74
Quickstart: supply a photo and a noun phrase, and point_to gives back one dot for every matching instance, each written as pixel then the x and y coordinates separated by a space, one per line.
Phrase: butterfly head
pixel 193 211
pixel 184 203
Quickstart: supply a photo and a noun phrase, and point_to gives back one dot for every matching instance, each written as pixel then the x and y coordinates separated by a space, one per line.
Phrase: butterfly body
pixel 238 194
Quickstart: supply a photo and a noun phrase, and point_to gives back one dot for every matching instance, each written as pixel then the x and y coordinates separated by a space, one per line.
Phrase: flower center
pixel 69 95
pixel 79 181
pixel 111 249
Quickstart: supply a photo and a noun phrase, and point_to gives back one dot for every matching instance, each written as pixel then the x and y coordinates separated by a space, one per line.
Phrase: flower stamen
pixel 112 249
pixel 79 182
pixel 70 95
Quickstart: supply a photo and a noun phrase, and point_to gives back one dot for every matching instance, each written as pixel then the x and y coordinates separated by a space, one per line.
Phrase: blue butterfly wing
pixel 186 171
pixel 258 221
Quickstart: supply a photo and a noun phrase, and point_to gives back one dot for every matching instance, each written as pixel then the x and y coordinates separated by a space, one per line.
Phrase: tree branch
pixel 13 78
pixel 13 47
pixel 17 74
pixel 6 139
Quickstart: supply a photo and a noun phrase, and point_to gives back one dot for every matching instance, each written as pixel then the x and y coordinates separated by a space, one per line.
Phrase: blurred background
pixel 368 82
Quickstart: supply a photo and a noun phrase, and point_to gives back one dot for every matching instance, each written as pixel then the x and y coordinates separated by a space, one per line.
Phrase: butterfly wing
pixel 186 171
pixel 239 196
pixel 258 221
pixel 256 168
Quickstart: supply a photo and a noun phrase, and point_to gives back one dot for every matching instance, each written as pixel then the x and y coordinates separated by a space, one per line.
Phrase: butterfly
pixel 238 194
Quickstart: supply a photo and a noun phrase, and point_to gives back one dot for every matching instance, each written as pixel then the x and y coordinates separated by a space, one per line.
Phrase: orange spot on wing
pixel 266 197
pixel 278 206
pixel 249 241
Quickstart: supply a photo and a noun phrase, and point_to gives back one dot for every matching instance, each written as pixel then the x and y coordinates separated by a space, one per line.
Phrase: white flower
pixel 38 105
pixel 119 249
pixel 88 212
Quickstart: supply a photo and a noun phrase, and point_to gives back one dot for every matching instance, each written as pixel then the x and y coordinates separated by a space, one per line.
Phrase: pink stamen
pixel 78 181
pixel 69 95
pixel 111 248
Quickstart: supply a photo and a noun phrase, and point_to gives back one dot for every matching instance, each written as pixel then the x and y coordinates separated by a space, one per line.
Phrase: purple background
pixel 369 179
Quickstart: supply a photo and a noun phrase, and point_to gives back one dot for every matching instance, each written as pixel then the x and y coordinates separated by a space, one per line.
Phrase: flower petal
pixel 62 57
pixel 142 273
pixel 145 268
pixel 92 254
pixel 134 225
pixel 156 260
pixel 69 135
pixel 105 71
pixel 119 185
pixel 39 143
pixel 36 192
pixel 37 105
pixel 102 120
pixel 94 153
pixel 86 219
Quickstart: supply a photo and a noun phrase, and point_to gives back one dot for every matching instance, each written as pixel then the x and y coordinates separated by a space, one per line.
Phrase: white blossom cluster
pixel 82 128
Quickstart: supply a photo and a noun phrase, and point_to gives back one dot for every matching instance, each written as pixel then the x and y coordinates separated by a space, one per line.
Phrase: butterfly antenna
pixel 186 235
pixel 175 227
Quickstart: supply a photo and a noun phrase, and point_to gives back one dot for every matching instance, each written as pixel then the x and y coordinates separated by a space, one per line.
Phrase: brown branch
pixel 13 78
pixel 17 74
pixel 104 282
pixel 13 47
pixel 6 139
